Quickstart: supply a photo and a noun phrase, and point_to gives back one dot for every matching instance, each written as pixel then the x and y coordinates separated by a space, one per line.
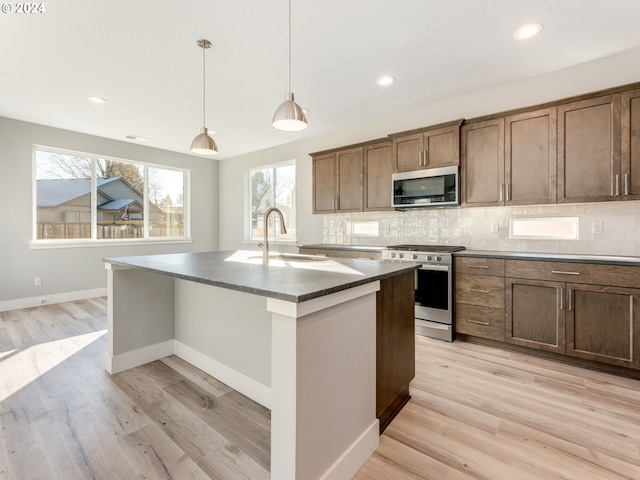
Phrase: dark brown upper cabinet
pixel 338 181
pixel 437 146
pixel 630 148
pixel 482 178
pixel 530 158
pixel 378 167
pixel 589 150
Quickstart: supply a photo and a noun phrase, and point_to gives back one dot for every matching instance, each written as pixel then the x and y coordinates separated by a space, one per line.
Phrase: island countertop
pixel 284 279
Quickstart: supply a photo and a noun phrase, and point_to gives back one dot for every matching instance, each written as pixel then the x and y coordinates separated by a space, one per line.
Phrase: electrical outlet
pixel 494 228
pixel 37 282
pixel 596 227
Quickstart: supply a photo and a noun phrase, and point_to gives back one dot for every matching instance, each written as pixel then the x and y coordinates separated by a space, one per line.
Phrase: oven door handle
pixel 439 268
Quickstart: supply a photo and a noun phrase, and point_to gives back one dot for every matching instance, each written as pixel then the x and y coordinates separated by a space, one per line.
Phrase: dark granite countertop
pixel 339 246
pixel 552 257
pixel 289 280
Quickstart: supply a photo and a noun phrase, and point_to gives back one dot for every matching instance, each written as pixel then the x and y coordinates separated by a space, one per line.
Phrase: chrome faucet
pixel 265 247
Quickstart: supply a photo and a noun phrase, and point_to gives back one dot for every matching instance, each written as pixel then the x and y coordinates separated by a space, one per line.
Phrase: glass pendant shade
pixel 290 116
pixel 203 144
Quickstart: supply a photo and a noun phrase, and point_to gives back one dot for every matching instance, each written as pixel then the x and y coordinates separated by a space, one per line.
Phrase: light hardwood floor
pixel 476 413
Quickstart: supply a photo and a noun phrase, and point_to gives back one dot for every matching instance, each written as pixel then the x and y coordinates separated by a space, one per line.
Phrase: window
pixel 272 186
pixel 549 228
pixel 84 197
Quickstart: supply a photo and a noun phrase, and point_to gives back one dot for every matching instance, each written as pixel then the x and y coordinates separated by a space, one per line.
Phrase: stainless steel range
pixel 434 281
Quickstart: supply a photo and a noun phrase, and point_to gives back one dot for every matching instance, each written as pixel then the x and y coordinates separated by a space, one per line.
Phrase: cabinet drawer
pixel 481 290
pixel 480 266
pixel 478 321
pixel 593 273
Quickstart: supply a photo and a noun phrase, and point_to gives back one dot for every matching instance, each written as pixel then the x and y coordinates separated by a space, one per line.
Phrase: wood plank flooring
pixel 476 413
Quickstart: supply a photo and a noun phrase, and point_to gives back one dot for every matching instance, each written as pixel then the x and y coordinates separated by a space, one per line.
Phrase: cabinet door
pixel 408 152
pixel 530 158
pixel 378 167
pixel 350 175
pixel 630 161
pixel 535 314
pixel 441 147
pixel 483 163
pixel 603 324
pixel 589 150
pixel 324 183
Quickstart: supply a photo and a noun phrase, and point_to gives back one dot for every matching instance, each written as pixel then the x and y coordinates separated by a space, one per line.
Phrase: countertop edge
pixel 552 257
pixel 401 268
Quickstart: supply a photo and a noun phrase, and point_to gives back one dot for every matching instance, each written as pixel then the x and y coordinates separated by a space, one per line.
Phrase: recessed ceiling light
pixel 94 99
pixel 528 31
pixel 385 80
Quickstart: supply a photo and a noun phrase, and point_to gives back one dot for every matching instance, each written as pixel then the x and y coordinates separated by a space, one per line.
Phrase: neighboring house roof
pixel 54 192
pixel 117 204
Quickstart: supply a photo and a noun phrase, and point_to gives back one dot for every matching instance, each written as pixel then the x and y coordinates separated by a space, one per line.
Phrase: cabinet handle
pixel 426 158
pixel 561 298
pixel 626 184
pixel 478 290
pixel 478 322
pixel 506 197
pixel 570 299
pixel 565 273
pixel 486 267
pixel 501 192
pixel 422 158
pixel 338 202
pixel 617 185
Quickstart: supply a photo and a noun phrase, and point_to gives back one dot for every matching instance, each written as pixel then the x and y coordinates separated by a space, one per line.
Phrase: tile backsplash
pixel 488 228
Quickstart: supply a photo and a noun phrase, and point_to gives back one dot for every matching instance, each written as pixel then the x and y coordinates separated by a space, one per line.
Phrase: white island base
pixel 312 363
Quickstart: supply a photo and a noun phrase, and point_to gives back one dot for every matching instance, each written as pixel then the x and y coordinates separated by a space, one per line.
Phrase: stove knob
pixel 438 258
pixel 429 258
pixel 401 255
pixel 393 255
pixel 414 256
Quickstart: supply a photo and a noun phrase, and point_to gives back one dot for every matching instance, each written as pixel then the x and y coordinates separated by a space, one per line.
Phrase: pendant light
pixel 203 144
pixel 290 116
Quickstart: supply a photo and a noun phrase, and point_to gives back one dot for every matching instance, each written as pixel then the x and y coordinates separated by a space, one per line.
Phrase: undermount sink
pixel 293 257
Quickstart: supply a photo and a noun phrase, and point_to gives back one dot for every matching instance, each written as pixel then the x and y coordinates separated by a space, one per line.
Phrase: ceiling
pixel 142 57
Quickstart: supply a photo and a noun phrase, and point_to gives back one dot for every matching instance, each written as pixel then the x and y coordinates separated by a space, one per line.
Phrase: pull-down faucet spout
pixel 265 246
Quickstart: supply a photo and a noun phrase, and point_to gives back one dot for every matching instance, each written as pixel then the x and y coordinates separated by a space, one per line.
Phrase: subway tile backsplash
pixel 488 228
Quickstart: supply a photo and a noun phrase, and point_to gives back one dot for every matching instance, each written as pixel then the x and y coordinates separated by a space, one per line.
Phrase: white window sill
pixel 49 244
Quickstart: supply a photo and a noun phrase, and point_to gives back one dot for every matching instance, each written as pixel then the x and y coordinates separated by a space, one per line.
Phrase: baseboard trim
pixel 253 389
pixel 356 455
pixel 135 358
pixel 40 300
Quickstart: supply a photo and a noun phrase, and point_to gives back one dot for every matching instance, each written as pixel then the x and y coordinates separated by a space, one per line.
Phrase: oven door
pixel 433 293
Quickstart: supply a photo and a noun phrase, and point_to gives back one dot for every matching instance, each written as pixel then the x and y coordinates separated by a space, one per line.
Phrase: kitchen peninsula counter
pixel 297 336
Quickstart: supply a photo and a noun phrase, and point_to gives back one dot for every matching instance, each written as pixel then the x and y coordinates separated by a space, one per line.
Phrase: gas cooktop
pixel 426 248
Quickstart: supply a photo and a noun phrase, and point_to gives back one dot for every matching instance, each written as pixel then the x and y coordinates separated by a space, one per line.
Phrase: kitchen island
pixel 298 336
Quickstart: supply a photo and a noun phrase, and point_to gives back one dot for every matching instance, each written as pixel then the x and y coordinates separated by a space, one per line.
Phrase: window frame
pixel 37 243
pixel 248 230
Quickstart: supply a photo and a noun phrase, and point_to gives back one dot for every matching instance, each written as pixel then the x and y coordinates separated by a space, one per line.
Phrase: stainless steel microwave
pixel 433 187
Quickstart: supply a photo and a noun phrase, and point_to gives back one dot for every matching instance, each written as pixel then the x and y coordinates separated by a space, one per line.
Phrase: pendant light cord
pixel 204 87
pixel 289 45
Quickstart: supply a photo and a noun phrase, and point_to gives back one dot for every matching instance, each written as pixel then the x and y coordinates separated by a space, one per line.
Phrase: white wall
pixel 80 269
pixel 610 72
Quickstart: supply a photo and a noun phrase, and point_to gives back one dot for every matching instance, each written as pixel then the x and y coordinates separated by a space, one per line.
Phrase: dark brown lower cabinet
pixel 395 345
pixel 593 322
pixel 535 314
pixel 603 324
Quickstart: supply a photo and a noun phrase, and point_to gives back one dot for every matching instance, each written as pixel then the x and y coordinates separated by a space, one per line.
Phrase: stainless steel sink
pixel 293 257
